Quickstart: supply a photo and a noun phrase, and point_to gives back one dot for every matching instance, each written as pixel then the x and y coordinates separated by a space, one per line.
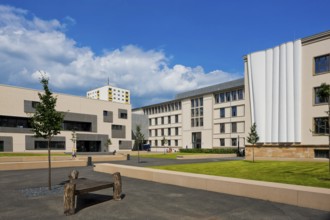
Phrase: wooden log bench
pixel 78 186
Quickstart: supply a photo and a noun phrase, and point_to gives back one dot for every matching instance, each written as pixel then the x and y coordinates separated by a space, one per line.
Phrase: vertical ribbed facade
pixel 274 85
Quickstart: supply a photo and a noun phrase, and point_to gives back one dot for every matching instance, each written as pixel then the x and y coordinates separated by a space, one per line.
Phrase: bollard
pixel 128 157
pixel 89 161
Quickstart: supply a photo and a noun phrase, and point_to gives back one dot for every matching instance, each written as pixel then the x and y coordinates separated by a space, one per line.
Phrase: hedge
pixel 211 151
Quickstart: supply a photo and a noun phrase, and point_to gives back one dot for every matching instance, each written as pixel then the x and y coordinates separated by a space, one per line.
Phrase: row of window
pixel 233 142
pixel 163 108
pixel 161 120
pixel 122 115
pixel 229 96
pixel 233 112
pixel 162 142
pixel 162 132
pixel 197 112
pixel 233 127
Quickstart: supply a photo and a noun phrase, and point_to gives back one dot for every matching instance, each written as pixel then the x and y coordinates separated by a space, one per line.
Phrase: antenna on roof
pixel 108 81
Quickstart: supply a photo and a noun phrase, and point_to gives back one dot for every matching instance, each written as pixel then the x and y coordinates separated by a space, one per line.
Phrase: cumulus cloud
pixel 29 44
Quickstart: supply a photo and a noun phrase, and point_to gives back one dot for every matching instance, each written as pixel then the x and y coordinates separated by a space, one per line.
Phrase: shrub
pixel 211 151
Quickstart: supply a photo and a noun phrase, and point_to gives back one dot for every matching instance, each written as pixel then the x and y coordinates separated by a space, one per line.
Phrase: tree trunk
pixel 49 166
pixel 69 199
pixel 117 186
pixel 253 153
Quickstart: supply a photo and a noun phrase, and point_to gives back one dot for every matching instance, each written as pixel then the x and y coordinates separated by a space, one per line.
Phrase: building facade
pixel 210 117
pixel 94 122
pixel 282 83
pixel 111 94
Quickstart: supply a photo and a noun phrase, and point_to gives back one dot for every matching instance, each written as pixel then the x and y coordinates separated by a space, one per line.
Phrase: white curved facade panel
pixel 275 77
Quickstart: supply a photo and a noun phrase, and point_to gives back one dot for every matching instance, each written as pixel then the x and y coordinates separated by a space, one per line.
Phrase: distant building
pixel 111 94
pixel 94 122
pixel 210 117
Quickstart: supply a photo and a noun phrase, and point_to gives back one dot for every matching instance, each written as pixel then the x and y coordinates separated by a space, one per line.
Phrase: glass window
pixel 169 119
pixel 321 125
pixel 222 112
pixel 193 112
pixel 222 97
pixel 196 102
pixel 240 94
pixel 169 131
pixel 176 131
pixel 222 142
pixel 156 132
pixel 228 97
pixel 216 98
pixel 176 118
pixel 201 122
pixel 192 122
pixel 162 119
pixel 162 131
pixel 233 127
pixel 322 64
pixel 234 95
pixel 201 112
pixel 200 101
pixel 233 111
pixel 168 142
pixel 55 145
pixel 176 142
pixel 222 128
pixel 317 99
pixel 233 142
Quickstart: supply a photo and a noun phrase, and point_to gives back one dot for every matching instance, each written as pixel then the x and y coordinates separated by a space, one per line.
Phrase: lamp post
pixel 238 154
pixel 74 140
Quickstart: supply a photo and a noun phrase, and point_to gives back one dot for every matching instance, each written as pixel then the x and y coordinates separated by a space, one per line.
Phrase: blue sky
pixel 155 48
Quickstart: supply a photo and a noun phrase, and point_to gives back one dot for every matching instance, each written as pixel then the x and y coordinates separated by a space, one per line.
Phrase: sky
pixel 154 48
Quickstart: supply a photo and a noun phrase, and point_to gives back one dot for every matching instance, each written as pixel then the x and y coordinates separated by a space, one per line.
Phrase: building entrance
pixel 2 146
pixel 197 140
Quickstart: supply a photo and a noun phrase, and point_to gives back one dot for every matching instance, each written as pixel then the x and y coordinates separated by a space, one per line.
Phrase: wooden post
pixel 69 198
pixel 73 175
pixel 117 186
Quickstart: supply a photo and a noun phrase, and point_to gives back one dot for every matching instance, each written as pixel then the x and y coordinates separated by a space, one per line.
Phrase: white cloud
pixel 29 44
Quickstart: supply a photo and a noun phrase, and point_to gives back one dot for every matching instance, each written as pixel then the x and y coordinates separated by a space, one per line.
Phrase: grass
pixel 30 154
pixel 290 172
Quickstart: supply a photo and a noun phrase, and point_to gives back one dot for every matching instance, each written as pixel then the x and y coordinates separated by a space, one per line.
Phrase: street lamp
pixel 74 140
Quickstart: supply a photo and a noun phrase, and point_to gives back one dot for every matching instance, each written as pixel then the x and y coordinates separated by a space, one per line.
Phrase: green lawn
pixel 30 154
pixel 299 173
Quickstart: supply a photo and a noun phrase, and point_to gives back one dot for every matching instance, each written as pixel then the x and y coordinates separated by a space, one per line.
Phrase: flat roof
pixel 211 89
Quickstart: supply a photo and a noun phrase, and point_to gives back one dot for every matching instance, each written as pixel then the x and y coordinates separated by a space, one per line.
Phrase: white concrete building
pixel 94 121
pixel 111 94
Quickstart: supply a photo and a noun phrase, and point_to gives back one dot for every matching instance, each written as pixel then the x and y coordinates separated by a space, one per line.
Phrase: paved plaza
pixel 141 200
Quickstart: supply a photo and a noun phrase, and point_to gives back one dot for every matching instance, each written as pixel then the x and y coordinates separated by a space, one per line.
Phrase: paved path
pixel 143 200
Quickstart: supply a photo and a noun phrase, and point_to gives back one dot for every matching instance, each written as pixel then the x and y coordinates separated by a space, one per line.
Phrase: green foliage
pixel 290 172
pixel 324 92
pixel 46 122
pixel 253 137
pixel 210 151
pixel 139 138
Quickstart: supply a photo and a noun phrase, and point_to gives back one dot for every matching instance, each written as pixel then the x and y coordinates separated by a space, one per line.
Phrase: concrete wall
pixel 309 197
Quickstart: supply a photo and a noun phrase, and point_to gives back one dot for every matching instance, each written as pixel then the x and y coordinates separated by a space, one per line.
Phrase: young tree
pixel 108 144
pixel 139 139
pixel 46 122
pixel 164 141
pixel 253 138
pixel 324 94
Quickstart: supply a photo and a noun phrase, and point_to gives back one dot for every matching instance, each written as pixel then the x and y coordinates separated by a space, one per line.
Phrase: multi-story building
pixel 111 94
pixel 282 83
pixel 209 117
pixel 94 122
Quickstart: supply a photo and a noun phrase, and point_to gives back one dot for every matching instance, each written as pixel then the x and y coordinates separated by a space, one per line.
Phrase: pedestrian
pixel 74 150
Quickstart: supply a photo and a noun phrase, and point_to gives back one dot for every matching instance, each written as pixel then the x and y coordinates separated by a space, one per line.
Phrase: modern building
pixel 111 94
pixel 210 117
pixel 94 122
pixel 281 83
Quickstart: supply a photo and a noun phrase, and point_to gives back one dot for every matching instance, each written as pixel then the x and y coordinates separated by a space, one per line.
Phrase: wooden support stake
pixel 117 186
pixel 73 175
pixel 69 198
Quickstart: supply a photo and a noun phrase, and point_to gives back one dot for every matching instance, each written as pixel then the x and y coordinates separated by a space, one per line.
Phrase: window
pixel 77 126
pixel 162 131
pixel 321 125
pixel 201 122
pixel 322 64
pixel 197 112
pixel 123 115
pixel 169 131
pixel 35 104
pixel 240 94
pixel 176 131
pixel 169 119
pixel 117 127
pixel 234 95
pixel 156 132
pixel 201 111
pixel 176 142
pixel 222 142
pixel 156 121
pixel 222 128
pixel 150 133
pixel 105 113
pixel 156 143
pixel 176 118
pixel 321 153
pixel 162 120
pixel 168 142
pixel 222 97
pixel 14 122
pixel 55 145
pixel 149 121
pixel 233 111
pixel 233 127
pixel 222 112
pixel 317 99
pixel 228 97
pixel 233 142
